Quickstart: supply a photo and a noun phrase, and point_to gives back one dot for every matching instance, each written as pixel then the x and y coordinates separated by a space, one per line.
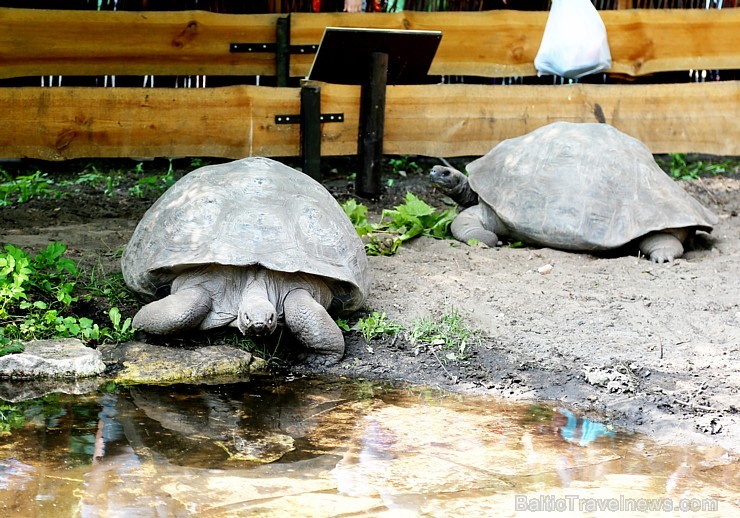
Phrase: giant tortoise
pixel 573 186
pixel 249 244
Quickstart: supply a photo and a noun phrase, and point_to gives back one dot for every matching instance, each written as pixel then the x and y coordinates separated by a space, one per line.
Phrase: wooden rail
pixel 488 44
pixel 435 120
pixel 505 43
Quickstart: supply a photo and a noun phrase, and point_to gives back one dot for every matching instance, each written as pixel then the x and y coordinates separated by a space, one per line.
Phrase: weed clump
pixel 412 218
pixel 37 297
pixel 449 333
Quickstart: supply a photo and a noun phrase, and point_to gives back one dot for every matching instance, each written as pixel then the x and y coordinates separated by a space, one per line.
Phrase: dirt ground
pixel 654 348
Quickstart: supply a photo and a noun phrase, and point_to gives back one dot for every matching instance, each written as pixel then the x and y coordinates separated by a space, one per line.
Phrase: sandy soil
pixel 655 348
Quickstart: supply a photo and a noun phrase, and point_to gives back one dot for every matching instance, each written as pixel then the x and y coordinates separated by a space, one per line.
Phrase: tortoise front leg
pixel 177 312
pixel 313 327
pixel 469 225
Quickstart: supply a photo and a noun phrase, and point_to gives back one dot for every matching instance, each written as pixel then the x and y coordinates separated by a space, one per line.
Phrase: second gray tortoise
pixel 573 186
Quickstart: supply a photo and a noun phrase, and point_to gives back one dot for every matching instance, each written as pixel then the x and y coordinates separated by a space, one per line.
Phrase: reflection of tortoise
pixel 574 187
pixel 248 244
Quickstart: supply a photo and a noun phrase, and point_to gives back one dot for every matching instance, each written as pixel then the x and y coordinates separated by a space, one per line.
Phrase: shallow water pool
pixel 319 447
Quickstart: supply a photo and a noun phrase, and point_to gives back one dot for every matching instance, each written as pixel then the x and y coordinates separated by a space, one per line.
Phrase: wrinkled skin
pixel 252 299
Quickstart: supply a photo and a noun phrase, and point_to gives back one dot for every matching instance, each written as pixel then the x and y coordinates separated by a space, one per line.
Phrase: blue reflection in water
pixel 582 431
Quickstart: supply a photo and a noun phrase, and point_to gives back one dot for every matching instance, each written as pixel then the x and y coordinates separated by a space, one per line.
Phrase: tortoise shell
pixel 254 211
pixel 582 186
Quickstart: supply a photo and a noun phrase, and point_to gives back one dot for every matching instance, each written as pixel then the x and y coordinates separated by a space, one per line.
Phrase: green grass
pixel 450 333
pixel 681 168
pixel 375 325
pixel 22 188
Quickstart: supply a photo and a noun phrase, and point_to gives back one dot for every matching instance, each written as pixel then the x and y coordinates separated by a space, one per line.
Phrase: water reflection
pixel 328 448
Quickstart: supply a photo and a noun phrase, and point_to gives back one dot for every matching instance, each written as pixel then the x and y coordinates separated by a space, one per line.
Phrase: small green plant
pixel 8 346
pixel 449 333
pixel 36 298
pixel 375 325
pixel 411 219
pixel 265 348
pixel 403 165
pixel 52 273
pixel 15 272
pixel 25 187
pixel 343 324
pixel 92 177
pixel 357 214
pixel 416 218
pixel 109 286
pixel 153 184
pixel 122 329
pixel 682 169
pixel 515 244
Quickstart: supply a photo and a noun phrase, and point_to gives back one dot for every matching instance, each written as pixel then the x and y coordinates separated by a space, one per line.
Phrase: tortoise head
pixel 447 179
pixel 256 316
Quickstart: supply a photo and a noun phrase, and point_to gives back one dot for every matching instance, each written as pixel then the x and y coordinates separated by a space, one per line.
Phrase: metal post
pixel 282 53
pixel 311 130
pixel 372 120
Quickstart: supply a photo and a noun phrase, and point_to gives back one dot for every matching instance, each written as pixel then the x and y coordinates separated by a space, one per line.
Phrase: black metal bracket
pixel 281 48
pixel 296 119
pixel 271 48
pixel 252 47
pixel 304 49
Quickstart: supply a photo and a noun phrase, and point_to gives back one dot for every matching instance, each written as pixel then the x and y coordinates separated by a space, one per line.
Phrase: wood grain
pixel 434 120
pixel 487 44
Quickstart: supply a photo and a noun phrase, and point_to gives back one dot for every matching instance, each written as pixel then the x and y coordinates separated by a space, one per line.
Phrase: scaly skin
pixel 664 246
pixel 454 184
pixel 251 299
pixel 183 310
pixel 314 328
pixel 473 222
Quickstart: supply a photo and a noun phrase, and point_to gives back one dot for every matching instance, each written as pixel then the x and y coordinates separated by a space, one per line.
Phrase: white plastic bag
pixel 574 43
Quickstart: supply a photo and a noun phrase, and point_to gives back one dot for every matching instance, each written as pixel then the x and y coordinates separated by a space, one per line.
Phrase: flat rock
pixel 139 362
pixel 52 359
pixel 14 391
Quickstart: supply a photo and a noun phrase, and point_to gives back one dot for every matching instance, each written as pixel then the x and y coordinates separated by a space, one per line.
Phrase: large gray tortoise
pixel 248 244
pixel 573 186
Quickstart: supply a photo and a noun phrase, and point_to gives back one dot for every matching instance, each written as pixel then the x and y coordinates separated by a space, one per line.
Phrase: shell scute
pixel 582 186
pixel 250 211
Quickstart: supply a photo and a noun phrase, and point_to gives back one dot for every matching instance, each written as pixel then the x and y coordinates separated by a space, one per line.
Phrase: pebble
pixel 545 269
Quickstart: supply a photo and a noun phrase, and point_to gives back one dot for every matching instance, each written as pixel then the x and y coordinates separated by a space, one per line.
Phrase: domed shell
pixel 582 186
pixel 254 211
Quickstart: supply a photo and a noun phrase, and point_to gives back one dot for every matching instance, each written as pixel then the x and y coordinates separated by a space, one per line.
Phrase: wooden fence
pixel 57 123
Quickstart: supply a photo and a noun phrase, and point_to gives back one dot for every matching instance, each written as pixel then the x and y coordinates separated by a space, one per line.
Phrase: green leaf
pixel 115 317
pixel 414 207
pixel 343 324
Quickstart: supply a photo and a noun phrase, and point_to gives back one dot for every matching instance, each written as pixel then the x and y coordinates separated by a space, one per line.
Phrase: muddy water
pixel 338 448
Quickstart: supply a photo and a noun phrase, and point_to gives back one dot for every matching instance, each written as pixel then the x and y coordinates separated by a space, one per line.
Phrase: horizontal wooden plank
pixel 505 43
pixel 62 123
pixel 459 120
pixel 489 43
pixel 434 120
pixel 51 42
